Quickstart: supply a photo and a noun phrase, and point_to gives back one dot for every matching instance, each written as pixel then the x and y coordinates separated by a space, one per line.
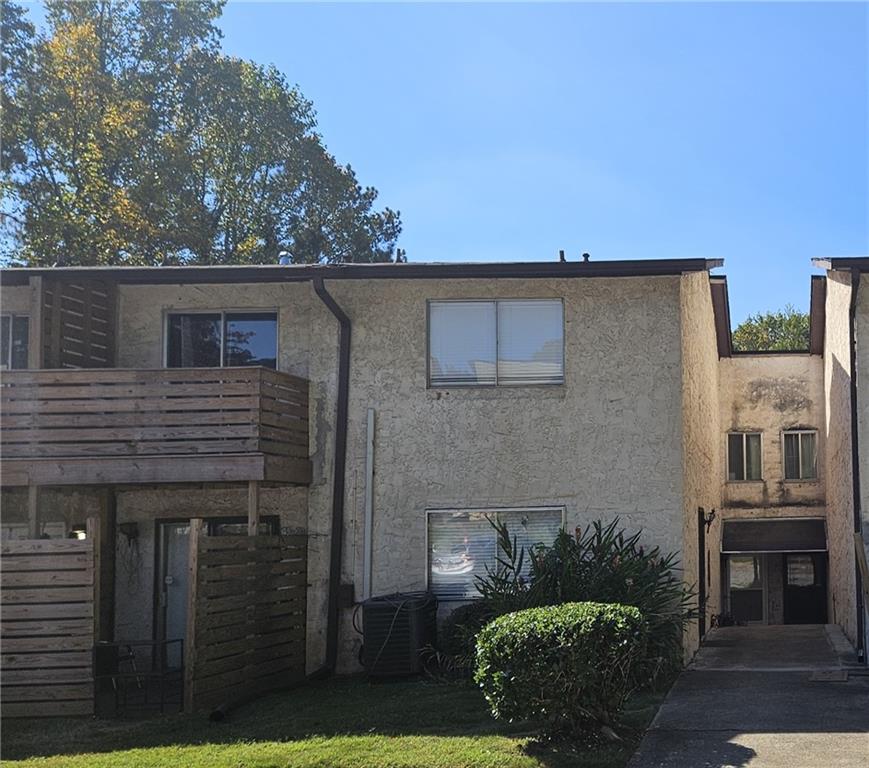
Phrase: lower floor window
pixel 461 543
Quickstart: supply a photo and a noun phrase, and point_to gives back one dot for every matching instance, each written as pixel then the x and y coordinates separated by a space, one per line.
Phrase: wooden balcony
pixel 123 426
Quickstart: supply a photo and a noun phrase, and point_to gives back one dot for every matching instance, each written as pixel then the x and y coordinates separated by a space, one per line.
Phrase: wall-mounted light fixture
pixel 708 518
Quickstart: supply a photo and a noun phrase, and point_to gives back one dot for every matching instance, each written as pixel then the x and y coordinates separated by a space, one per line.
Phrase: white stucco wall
pixel 838 460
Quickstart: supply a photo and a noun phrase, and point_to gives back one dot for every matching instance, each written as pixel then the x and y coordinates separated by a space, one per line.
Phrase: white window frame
pixel 6 365
pixel 800 479
pixel 485 511
pixel 744 463
pixel 496 301
pixel 223 313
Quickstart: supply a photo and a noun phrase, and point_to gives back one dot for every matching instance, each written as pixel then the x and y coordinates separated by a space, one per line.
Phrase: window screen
pixel 463 542
pixel 13 340
pixel 507 342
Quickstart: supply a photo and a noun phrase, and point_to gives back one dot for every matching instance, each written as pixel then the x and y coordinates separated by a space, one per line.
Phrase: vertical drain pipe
pixel 855 460
pixel 368 527
pixel 339 471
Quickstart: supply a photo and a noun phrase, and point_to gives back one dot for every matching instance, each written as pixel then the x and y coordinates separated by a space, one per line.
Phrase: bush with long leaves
pixel 600 564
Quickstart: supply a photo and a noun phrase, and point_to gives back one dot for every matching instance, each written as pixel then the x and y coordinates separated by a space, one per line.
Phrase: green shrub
pixel 603 565
pixel 567 667
pixel 457 636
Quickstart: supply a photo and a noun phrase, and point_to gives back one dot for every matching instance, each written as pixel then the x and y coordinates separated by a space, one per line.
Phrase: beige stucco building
pixel 551 394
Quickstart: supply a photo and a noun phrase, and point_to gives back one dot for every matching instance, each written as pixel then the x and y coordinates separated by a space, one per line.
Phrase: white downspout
pixel 367 528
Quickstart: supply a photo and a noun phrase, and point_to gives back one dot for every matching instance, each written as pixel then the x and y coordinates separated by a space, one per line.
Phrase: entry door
pixel 175 547
pixel 746 581
pixel 805 591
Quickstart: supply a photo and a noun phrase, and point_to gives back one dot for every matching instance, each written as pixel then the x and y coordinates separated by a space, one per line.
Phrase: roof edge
pixel 262 273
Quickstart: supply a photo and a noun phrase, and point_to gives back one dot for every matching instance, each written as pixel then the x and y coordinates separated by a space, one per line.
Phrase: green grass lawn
pixel 339 723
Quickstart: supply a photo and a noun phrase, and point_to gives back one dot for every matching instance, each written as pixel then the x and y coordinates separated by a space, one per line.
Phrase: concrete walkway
pixel 764 697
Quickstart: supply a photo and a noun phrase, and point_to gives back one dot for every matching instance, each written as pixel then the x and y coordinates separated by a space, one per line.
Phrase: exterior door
pixel 174 548
pixel 746 585
pixel 805 588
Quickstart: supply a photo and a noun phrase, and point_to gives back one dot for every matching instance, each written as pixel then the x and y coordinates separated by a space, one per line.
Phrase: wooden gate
pixel 245 618
pixel 49 625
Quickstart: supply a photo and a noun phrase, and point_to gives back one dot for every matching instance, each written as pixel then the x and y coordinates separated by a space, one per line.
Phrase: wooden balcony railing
pixel 63 427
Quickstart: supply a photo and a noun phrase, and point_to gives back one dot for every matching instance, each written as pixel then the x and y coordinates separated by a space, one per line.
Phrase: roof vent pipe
pixel 586 256
pixel 284 258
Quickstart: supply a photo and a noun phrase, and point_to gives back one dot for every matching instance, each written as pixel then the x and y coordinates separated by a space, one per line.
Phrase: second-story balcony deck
pixel 125 426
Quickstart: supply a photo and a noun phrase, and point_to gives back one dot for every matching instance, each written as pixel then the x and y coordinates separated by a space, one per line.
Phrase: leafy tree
pixel 129 138
pixel 783 330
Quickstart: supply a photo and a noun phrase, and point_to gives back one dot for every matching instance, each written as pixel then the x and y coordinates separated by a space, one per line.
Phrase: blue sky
pixel 507 132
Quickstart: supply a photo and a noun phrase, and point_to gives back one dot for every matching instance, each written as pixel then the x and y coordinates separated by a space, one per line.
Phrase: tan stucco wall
pixel 840 491
pixel 15 298
pixel 862 335
pixel 307 345
pixel 768 394
pixel 606 443
pixel 700 416
pixel 24 300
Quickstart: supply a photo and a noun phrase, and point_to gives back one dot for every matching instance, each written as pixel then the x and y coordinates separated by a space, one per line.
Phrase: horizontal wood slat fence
pixel 245 618
pixel 184 411
pixel 48 625
pixel 78 324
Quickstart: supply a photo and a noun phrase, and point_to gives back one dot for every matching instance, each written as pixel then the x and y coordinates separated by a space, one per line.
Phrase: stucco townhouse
pixel 384 411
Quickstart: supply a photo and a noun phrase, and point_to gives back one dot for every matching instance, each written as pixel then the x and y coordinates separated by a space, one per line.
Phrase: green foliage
pixel 783 330
pixel 457 636
pixel 602 564
pixel 567 667
pixel 129 138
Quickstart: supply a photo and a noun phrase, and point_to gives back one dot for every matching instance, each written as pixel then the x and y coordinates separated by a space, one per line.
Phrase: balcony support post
pixel 33 511
pixel 252 507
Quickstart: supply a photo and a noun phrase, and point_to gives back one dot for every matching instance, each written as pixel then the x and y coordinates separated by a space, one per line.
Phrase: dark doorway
pixel 805 587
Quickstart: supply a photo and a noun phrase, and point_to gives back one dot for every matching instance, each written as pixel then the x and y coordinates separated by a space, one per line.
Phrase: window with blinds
pixel 461 543
pixel 488 343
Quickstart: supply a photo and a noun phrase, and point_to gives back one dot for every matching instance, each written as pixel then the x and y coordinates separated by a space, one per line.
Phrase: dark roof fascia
pixel 843 263
pixel 721 312
pixel 268 273
pixel 817 314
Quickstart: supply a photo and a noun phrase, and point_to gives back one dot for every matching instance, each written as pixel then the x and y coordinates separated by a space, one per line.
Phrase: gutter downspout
pixel 855 456
pixel 338 478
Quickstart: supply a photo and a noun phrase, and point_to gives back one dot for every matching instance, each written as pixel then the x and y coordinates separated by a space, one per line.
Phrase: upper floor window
pixel 505 342
pixel 743 456
pixel 14 330
pixel 800 454
pixel 462 543
pixel 213 339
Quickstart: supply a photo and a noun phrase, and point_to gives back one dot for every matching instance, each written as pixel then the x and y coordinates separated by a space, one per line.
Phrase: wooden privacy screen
pixel 78 324
pixel 147 412
pixel 48 625
pixel 245 618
